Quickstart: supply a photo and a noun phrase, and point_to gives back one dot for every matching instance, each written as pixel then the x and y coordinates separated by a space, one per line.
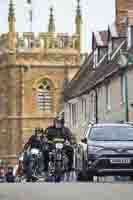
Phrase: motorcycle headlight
pixel 94 149
pixel 59 145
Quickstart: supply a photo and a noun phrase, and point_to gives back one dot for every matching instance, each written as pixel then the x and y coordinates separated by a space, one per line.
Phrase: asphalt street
pixel 66 191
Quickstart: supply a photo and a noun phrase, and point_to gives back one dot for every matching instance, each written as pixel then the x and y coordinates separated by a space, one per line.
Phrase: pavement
pixel 66 191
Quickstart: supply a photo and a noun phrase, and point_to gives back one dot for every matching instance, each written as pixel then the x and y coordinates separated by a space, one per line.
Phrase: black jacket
pixel 63 132
pixel 33 143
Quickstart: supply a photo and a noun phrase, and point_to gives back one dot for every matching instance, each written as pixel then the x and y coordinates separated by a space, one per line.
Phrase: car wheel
pixel 90 178
pixel 83 176
pixel 131 178
pixel 80 176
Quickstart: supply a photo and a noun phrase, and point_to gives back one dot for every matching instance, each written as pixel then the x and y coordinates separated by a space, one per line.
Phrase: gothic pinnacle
pixel 11 9
pixel 51 26
pixel 78 8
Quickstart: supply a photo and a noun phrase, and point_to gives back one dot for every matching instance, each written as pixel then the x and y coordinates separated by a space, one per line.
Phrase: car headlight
pixel 130 151
pixel 94 149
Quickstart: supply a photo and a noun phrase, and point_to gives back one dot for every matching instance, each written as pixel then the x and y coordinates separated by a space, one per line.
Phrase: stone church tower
pixel 124 8
pixel 33 70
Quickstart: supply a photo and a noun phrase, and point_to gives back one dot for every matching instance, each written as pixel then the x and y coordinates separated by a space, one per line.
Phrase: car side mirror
pixel 84 140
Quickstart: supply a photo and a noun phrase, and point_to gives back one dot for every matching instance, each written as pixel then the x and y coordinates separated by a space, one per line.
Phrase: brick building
pixel 122 9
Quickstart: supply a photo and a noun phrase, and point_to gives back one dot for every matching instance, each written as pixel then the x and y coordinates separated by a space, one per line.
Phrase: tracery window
pixel 44 96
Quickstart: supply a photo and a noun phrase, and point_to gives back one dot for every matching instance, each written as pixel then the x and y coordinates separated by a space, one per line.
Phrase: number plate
pixel 120 161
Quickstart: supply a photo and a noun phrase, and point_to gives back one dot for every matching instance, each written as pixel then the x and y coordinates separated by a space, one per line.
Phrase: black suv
pixel 105 150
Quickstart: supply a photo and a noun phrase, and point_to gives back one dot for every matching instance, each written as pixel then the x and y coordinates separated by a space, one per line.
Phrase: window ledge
pixel 122 103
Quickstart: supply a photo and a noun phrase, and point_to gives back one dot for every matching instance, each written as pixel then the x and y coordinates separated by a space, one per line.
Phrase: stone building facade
pixel 34 70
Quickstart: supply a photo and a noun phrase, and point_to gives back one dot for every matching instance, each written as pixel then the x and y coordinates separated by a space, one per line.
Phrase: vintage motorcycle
pixel 32 160
pixel 57 161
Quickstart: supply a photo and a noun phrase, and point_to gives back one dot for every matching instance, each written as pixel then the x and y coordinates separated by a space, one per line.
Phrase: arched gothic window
pixel 44 96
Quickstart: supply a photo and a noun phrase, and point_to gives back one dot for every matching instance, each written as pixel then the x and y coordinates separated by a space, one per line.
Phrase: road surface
pixel 66 191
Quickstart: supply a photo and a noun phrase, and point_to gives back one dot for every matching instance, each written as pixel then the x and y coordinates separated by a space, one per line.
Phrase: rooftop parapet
pixel 46 40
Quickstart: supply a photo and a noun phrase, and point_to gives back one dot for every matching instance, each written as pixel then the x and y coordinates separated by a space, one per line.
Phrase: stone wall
pixel 19 113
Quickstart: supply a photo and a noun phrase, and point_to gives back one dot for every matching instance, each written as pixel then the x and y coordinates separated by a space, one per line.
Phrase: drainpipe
pixel 126 95
pixel 125 77
pixel 96 105
pixel 125 61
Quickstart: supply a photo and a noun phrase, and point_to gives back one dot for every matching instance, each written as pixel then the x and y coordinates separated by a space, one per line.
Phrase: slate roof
pixel 104 37
pixel 91 79
pixel 100 39
pixel 88 77
pixel 86 66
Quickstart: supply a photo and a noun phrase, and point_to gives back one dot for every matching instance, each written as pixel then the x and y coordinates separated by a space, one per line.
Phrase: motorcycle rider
pixel 34 142
pixel 58 130
pixel 47 146
pixel 54 131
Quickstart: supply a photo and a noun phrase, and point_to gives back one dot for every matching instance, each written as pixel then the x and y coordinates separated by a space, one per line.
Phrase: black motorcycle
pixel 57 161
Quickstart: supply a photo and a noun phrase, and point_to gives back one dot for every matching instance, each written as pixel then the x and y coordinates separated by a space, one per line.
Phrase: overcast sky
pixel 96 15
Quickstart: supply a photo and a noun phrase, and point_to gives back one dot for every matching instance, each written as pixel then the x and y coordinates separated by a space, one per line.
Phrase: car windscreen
pixel 111 133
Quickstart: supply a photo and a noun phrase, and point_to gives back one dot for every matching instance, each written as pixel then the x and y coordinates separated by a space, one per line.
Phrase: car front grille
pixel 106 164
pixel 124 155
pixel 103 162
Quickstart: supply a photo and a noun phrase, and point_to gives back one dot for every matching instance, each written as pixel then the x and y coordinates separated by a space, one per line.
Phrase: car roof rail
pixel 125 122
pixel 92 123
pixel 130 123
pixel 120 122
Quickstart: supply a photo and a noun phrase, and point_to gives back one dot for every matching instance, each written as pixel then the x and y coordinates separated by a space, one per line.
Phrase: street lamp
pixel 126 60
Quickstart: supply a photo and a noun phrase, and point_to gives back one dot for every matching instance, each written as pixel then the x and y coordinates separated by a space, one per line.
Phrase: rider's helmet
pixel 57 122
pixel 38 132
pixel 54 121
